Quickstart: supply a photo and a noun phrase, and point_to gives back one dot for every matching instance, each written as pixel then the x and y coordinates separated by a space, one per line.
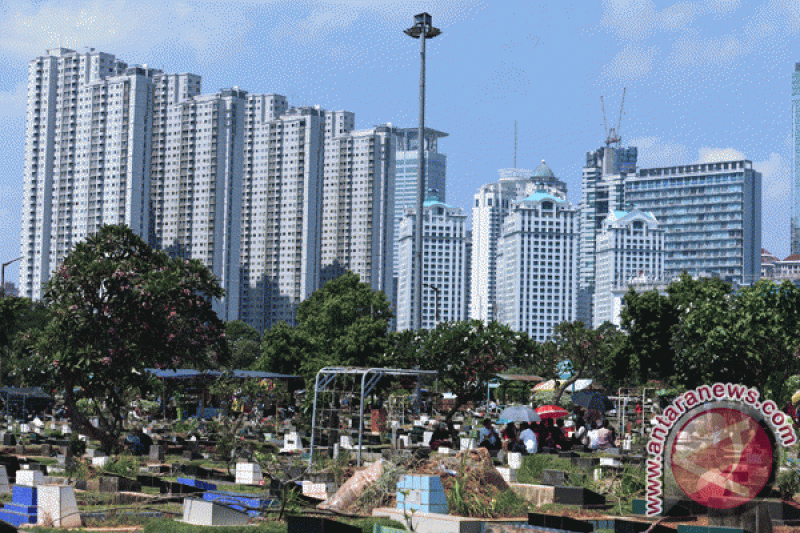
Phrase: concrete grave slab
pixel 57 506
pixel 206 513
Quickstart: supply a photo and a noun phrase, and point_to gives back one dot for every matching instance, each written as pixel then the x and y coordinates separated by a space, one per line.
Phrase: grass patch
pixel 275 526
pixel 534 465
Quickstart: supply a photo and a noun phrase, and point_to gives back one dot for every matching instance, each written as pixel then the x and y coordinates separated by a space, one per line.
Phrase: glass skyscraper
pixel 712 216
pixel 405 177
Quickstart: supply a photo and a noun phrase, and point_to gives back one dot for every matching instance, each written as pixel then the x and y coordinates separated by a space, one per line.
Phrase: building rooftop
pixel 538 196
pixel 543 171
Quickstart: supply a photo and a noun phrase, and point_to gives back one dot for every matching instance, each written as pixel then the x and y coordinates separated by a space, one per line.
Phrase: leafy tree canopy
pixel 587 350
pixel 19 318
pixel 345 323
pixel 751 337
pixel 119 307
pixel 465 354
pixel 244 344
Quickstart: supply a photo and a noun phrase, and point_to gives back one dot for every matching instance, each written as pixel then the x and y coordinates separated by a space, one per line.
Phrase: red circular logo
pixel 721 458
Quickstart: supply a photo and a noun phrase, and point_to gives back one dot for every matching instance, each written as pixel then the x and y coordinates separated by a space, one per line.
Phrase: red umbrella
pixel 551 411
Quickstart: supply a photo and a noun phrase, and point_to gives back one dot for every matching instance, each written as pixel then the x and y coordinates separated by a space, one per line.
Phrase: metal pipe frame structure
pixel 369 378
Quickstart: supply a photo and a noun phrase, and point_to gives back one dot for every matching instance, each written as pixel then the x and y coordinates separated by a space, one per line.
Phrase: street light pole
pixel 422 29
pixel 3 276
pixel 436 301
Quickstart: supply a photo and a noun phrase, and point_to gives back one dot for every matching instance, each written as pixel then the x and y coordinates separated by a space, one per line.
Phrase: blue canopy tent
pixel 22 402
pixel 202 376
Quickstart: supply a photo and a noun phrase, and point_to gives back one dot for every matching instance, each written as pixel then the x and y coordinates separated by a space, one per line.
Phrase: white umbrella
pixel 519 413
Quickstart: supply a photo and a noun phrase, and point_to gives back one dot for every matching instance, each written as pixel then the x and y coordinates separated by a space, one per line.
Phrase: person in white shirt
pixel 528 438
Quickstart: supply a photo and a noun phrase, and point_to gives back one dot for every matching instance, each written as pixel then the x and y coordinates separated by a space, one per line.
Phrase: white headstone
pixel 99 461
pixel 444 450
pixel 291 442
pixel 467 443
pixel 509 474
pixel 405 441
pixel 205 513
pixel 248 474
pixel 25 428
pixel 426 438
pixel 515 460
pixel 57 506
pixel 346 442
pixel 29 478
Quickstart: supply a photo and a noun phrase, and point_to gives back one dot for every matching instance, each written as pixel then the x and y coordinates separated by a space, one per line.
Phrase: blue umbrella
pixel 592 400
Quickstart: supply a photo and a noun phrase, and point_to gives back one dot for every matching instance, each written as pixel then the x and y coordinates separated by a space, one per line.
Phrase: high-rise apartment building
pixel 602 192
pixel 795 221
pixel 537 265
pixel 197 187
pixel 406 170
pixel 281 209
pixel 87 155
pixel 711 213
pixel 445 266
pixel 492 204
pixel 273 200
pixel 358 206
pixel 629 247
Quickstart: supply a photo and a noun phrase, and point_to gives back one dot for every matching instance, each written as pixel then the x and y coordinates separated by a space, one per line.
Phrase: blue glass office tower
pixel 712 216
pixel 405 176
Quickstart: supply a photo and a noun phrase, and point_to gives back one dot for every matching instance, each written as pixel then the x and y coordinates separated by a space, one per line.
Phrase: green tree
pixel 119 307
pixel 750 337
pixel 466 355
pixel 19 318
pixel 283 347
pixel 585 349
pixel 650 319
pixel 244 344
pixel 345 323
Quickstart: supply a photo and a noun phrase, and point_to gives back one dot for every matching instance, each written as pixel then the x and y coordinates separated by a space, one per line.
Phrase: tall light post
pixel 436 291
pixel 422 29
pixel 3 275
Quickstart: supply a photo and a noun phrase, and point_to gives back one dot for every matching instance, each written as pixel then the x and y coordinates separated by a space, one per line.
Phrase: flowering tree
pixel 467 355
pixel 585 349
pixel 119 307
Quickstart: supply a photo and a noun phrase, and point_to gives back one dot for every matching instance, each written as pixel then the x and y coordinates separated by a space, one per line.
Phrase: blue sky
pixel 706 79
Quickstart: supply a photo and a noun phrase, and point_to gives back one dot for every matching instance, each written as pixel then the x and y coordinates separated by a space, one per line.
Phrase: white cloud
pixel 27 30
pixel 630 20
pixel 776 178
pixel 723 6
pixel 657 152
pixel 695 51
pixel 630 63
pixel 679 16
pixel 715 155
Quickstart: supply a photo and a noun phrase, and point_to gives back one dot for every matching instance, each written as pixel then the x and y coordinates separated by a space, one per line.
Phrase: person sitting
pixel 488 437
pixel 565 443
pixel 528 438
pixel 440 438
pixel 592 438
pixel 547 435
pixel 509 436
pixel 605 437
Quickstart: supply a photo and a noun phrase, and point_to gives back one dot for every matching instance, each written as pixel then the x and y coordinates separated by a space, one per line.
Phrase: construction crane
pixel 613 134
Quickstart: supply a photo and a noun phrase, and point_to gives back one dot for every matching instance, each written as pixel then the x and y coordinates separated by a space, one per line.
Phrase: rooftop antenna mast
pixel 515 144
pixel 613 134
